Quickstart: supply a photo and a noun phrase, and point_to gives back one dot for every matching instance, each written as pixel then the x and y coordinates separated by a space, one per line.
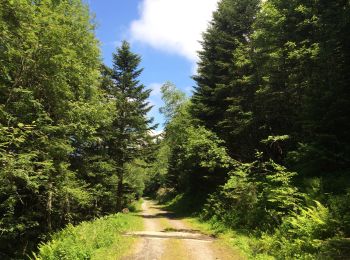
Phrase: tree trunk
pixel 67 217
pixel 49 207
pixel 25 245
pixel 120 191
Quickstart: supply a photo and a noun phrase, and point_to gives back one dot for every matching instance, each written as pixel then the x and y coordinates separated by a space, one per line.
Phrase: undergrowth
pixel 303 235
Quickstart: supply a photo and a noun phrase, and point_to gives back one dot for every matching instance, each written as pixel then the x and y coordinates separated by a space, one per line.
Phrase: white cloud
pixel 155 89
pixel 173 25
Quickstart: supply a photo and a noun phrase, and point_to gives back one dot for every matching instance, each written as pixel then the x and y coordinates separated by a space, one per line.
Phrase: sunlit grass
pixel 99 239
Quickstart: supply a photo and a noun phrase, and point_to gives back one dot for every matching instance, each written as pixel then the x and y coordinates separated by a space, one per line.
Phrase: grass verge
pixel 98 239
pixel 249 246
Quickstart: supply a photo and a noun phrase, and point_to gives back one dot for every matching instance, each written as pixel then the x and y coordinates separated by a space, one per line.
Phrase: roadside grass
pixel 249 246
pixel 98 239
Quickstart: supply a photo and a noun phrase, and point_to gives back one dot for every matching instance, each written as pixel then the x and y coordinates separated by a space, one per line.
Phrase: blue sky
pixel 165 33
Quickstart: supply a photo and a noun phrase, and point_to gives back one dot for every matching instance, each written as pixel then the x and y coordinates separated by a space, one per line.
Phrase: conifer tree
pixel 327 99
pixel 301 55
pixel 131 128
pixel 221 97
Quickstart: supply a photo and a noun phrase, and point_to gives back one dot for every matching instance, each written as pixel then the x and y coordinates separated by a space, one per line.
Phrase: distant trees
pixel 173 98
pixel 194 155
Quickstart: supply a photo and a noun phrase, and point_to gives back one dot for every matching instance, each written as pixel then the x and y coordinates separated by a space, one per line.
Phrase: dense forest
pixel 262 146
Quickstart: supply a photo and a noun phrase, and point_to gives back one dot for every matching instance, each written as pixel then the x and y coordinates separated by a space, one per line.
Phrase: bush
pixel 302 235
pixel 257 195
pixel 340 209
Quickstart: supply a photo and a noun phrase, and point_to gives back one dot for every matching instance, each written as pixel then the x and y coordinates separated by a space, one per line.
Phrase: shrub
pixel 257 195
pixel 302 235
pixel 340 209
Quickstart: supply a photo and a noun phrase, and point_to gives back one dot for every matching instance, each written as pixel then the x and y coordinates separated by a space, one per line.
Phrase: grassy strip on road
pixel 248 246
pixel 98 239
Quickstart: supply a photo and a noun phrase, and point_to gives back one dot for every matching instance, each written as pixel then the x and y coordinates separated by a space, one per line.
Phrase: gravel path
pixel 167 238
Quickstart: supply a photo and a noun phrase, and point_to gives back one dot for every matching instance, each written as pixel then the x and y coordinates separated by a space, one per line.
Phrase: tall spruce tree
pixel 131 131
pixel 221 98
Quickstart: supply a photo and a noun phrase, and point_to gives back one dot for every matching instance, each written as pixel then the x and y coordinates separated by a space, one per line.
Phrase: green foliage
pixel 55 122
pixel 340 212
pixel 273 76
pixel 299 88
pixel 301 236
pixel 205 146
pixel 91 240
pixel 129 136
pixel 135 178
pixel 223 96
pixel 157 170
pixel 172 98
pixel 197 159
pixel 48 116
pixel 258 194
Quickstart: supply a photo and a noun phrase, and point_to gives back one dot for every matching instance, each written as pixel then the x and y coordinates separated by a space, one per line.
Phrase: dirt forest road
pixel 166 237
